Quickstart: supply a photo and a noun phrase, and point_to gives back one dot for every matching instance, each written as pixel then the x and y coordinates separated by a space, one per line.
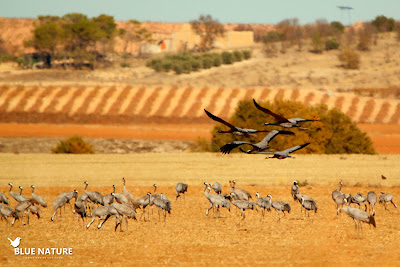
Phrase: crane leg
pixel 393 204
pixel 211 206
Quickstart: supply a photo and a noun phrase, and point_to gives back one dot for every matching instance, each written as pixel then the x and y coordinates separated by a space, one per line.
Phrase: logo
pixel 43 252
pixel 16 242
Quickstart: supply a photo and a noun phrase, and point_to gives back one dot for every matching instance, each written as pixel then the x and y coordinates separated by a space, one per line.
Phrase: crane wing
pixel 295 148
pixel 226 149
pixel 276 116
pixel 270 136
pixel 215 118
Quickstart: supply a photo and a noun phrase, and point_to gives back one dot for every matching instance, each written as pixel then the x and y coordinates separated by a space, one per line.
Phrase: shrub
pixel 384 24
pixel 178 68
pixel 331 43
pixel 73 145
pixel 272 36
pixel 317 43
pixel 166 65
pixel 237 56
pixel 335 133
pixel 246 54
pixel 349 59
pixel 196 64
pixel 227 57
pixel 187 66
pixel 125 65
pixel 338 26
pixel 207 62
pixel 217 61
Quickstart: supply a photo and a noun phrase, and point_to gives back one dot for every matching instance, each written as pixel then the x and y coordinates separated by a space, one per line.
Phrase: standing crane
pixel 282 121
pixel 244 205
pixel 217 187
pixel 180 188
pixel 372 199
pixel 294 190
pixel 384 198
pixel 279 206
pixel 263 203
pixel 358 217
pixel 3 198
pixel 38 199
pixel 216 201
pixel 126 193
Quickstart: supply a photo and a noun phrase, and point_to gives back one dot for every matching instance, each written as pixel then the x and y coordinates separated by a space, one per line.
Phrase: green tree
pixel 334 133
pixel 47 35
pixel 384 24
pixel 107 31
pixel 208 29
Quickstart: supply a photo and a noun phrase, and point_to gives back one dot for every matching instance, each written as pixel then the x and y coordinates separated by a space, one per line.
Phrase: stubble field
pixel 190 237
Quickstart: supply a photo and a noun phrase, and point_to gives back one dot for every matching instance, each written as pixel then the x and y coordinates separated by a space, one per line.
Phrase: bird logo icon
pixel 16 242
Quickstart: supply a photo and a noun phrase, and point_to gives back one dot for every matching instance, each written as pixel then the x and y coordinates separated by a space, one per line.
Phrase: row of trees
pixel 81 39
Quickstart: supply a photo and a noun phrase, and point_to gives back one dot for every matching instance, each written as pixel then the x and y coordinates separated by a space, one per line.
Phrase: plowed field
pixel 190 237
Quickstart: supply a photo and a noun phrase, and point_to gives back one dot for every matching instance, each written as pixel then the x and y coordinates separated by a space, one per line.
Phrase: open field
pixel 188 236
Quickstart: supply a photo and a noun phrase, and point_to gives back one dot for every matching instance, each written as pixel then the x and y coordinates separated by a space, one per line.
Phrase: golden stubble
pixel 190 237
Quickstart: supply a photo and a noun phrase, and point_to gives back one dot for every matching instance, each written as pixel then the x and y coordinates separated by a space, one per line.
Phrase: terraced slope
pixel 141 104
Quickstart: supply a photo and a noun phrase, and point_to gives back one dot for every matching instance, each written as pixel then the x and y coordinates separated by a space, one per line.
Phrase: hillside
pixel 164 105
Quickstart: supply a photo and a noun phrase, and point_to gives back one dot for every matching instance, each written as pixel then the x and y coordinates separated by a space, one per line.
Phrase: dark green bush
pixel 178 67
pixel 246 54
pixel 338 26
pixel 73 145
pixel 167 65
pixel 331 44
pixel 335 133
pixel 196 64
pixel 384 24
pixel 187 66
pixel 207 62
pixel 217 61
pixel 227 57
pixel 272 37
pixel 237 56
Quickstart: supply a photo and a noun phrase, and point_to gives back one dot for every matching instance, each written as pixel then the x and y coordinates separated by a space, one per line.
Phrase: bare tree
pixel 208 29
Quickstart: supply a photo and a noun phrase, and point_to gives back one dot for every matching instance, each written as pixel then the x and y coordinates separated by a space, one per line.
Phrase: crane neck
pixel 10 187
pixel 86 187
pixel 20 191
pixel 33 189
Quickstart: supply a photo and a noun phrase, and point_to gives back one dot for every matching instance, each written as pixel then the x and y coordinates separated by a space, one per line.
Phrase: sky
pixel 225 11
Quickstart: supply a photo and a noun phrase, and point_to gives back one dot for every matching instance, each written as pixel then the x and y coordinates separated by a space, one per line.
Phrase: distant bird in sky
pixel 15 243
pixel 283 154
pixel 260 146
pixel 282 121
pixel 233 129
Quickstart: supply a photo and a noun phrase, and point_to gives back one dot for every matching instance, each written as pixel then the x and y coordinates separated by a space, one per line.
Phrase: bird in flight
pixel 282 154
pixel 260 146
pixel 233 129
pixel 282 121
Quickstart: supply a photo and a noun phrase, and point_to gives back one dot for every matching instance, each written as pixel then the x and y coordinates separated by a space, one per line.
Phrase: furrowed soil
pixel 188 236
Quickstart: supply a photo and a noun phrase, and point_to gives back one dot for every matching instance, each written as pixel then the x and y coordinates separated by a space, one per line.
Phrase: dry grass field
pixel 188 236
